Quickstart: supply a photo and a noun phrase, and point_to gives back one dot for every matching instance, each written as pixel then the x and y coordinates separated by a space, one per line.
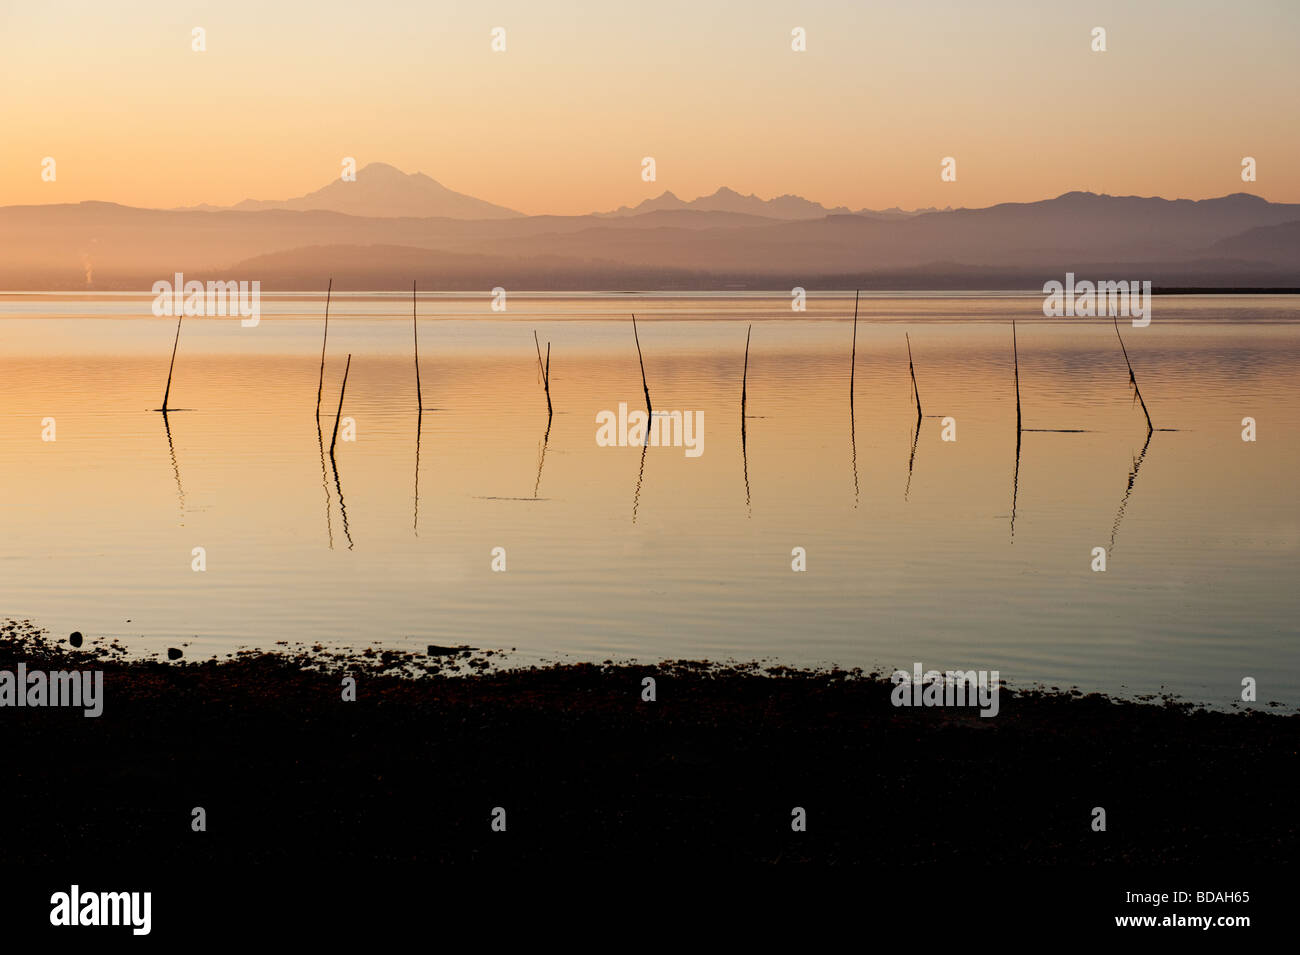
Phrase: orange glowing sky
pixel 559 122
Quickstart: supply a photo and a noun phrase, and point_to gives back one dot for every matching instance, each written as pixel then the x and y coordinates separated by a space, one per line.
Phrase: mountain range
pixel 381 190
pixel 389 227
pixel 728 200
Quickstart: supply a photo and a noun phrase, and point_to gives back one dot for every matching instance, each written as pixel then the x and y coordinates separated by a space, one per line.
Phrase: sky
pixel 560 121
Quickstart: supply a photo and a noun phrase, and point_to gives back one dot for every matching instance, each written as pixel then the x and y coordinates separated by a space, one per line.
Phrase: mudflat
pixel 447 758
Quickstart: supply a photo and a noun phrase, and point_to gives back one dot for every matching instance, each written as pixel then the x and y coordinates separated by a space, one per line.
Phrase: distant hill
pixel 383 190
pixel 1052 233
pixel 1270 243
pixel 388 267
pixel 1234 240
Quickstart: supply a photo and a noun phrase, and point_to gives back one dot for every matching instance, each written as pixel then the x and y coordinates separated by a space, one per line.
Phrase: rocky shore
pixel 443 758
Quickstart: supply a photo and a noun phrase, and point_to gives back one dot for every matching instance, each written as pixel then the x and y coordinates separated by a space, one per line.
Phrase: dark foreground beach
pixel 584 769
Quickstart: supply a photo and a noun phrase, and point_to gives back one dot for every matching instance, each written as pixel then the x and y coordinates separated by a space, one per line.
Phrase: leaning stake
pixel 321 384
pixel 545 372
pixel 853 360
pixel 649 411
pixel 334 439
pixel 744 378
pixel 1132 378
pixel 912 372
pixel 168 390
pixel 419 399
pixel 1015 354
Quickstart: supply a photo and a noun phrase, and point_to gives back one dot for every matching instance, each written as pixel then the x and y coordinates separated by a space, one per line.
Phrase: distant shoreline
pixel 1175 290
pixel 784 292
pixel 1237 242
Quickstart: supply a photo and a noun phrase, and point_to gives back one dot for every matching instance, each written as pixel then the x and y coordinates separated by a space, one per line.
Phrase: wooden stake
pixel 853 362
pixel 744 379
pixel 168 390
pixel 1132 378
pixel 912 371
pixel 648 409
pixel 545 372
pixel 419 398
pixel 1016 355
pixel 335 438
pixel 320 387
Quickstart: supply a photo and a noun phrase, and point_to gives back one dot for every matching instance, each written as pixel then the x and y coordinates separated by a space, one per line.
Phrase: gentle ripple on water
pixel 1204 548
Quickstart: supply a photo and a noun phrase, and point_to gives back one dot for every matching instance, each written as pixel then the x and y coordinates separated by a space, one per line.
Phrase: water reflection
pixel 171 450
pixel 696 578
pixel 744 454
pixel 1128 491
pixel 338 483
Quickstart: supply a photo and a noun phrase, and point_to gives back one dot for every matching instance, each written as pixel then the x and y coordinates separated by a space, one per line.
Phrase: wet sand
pixel 289 773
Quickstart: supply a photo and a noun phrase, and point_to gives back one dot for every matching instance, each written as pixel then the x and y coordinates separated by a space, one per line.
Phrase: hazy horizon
pixel 560 121
pixel 831 206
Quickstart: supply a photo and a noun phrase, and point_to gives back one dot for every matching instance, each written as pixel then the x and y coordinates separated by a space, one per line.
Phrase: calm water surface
pixel 948 553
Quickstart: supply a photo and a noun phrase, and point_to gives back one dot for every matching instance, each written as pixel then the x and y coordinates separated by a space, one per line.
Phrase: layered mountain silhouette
pixel 728 200
pixel 382 190
pixel 719 241
pixel 1272 243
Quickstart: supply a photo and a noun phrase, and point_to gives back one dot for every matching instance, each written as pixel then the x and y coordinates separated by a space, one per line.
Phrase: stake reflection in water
pixel 543 372
pixel 1015 476
pixel 171 449
pixel 324 483
pixel 744 454
pixel 649 418
pixel 640 477
pixel 338 484
pixel 853 431
pixel 419 425
pixel 916 393
pixel 1128 492
pixel 1141 455
pixel 911 460
pixel 541 459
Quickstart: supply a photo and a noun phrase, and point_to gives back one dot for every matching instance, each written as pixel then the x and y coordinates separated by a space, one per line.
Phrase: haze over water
pixel 684 557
